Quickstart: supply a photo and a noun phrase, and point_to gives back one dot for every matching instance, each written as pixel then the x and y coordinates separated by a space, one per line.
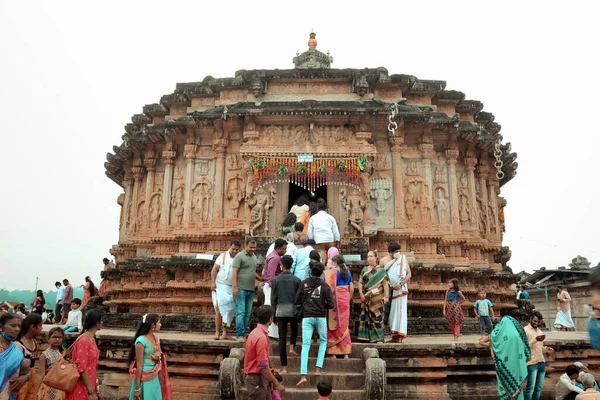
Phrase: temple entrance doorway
pixel 297 191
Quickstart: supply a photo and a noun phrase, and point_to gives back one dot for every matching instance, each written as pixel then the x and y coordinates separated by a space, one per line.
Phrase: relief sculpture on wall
pixel 155 210
pixel 354 204
pixel 235 194
pixel 202 194
pixel 177 204
pixel 381 191
pixel 465 208
pixel 441 206
pixel 260 205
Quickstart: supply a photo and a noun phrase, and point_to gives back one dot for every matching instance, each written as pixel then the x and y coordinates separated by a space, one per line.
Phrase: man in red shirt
pixel 256 360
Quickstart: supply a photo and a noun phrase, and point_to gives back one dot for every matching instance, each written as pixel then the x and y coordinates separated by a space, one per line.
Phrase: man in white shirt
pixel 323 229
pixel 565 387
pixel 222 290
pixel 59 296
pixel 74 321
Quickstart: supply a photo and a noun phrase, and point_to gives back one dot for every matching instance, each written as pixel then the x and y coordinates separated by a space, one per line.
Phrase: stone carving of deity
pixel 142 218
pixel 127 221
pixel 202 195
pixel 235 194
pixel 411 199
pixel 260 205
pixel 441 206
pixel 482 219
pixel 155 205
pixel 178 172
pixel 381 191
pixel 440 175
pixel 464 210
pixel 493 217
pixel 177 204
pixel 354 205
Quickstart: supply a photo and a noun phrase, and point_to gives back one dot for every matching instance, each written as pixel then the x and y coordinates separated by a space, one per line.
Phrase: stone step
pixel 314 349
pixel 346 380
pixel 293 393
pixel 338 365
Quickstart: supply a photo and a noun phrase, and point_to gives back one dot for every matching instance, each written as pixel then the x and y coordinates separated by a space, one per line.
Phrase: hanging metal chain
pixel 498 163
pixel 392 124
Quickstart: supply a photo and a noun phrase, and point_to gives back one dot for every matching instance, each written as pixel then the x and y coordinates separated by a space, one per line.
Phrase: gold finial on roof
pixel 312 42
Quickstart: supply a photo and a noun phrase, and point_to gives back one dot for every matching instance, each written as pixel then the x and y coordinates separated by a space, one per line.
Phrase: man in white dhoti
pixel 399 275
pixel 222 290
pixel 563 321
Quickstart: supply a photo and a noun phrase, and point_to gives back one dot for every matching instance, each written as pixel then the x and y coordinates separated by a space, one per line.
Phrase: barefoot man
pixel 222 290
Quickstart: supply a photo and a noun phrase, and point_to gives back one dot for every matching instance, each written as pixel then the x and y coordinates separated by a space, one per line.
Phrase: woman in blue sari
pixel 14 366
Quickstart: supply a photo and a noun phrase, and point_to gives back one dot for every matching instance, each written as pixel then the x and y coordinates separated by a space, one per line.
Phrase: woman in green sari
pixel 510 351
pixel 374 295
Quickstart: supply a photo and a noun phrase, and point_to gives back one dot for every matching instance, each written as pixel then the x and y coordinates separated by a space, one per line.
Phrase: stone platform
pixel 423 367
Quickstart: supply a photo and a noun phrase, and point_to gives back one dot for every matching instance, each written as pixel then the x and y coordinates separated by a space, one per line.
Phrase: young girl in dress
pixel 56 336
pixel 452 310
pixel 148 367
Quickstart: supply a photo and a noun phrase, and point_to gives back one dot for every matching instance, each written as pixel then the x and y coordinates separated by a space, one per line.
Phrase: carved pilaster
pixel 138 176
pixel 219 148
pixel 452 156
pixel 190 155
pixel 150 164
pixel 127 185
pixel 169 159
pixel 493 190
pixel 470 166
pixel 482 201
pixel 427 152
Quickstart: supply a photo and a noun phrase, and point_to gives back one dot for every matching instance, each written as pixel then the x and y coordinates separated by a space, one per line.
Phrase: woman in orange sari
pixel 339 278
pixel 30 330
pixel 89 290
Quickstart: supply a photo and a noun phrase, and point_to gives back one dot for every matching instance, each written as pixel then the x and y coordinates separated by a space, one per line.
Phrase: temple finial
pixel 312 42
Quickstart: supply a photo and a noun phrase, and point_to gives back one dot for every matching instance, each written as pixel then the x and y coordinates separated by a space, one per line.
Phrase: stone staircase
pixel 347 376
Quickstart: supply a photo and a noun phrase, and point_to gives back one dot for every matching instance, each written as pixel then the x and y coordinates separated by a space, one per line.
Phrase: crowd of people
pixel 23 367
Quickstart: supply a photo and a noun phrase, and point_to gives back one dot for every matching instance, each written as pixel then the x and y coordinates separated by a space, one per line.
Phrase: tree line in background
pixel 26 296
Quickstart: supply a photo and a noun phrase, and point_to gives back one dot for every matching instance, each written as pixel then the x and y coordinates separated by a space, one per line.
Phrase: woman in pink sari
pixel 339 278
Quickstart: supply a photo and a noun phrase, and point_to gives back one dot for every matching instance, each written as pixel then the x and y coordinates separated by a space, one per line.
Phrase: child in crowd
pixel 56 336
pixel 74 321
pixel 324 389
pixel 452 309
pixel 274 393
pixel 483 309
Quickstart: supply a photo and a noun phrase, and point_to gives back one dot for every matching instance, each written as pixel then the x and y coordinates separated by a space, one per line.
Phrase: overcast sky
pixel 72 74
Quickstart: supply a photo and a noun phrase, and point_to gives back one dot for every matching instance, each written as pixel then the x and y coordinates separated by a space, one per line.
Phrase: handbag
pixel 64 374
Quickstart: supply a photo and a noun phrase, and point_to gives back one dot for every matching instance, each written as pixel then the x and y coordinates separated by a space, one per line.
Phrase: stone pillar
pixel 470 166
pixel 169 159
pixel 398 147
pixel 482 173
pixel 150 164
pixel 138 175
pixel 219 148
pixel 190 155
pixel 452 156
pixel 127 185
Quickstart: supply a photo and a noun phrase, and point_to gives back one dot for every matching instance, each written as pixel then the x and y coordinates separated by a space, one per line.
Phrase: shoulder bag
pixel 64 373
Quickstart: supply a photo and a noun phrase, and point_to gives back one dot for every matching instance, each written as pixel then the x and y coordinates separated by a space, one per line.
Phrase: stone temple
pixel 397 158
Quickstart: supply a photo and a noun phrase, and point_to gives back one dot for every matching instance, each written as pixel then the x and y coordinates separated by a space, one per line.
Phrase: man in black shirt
pixel 283 295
